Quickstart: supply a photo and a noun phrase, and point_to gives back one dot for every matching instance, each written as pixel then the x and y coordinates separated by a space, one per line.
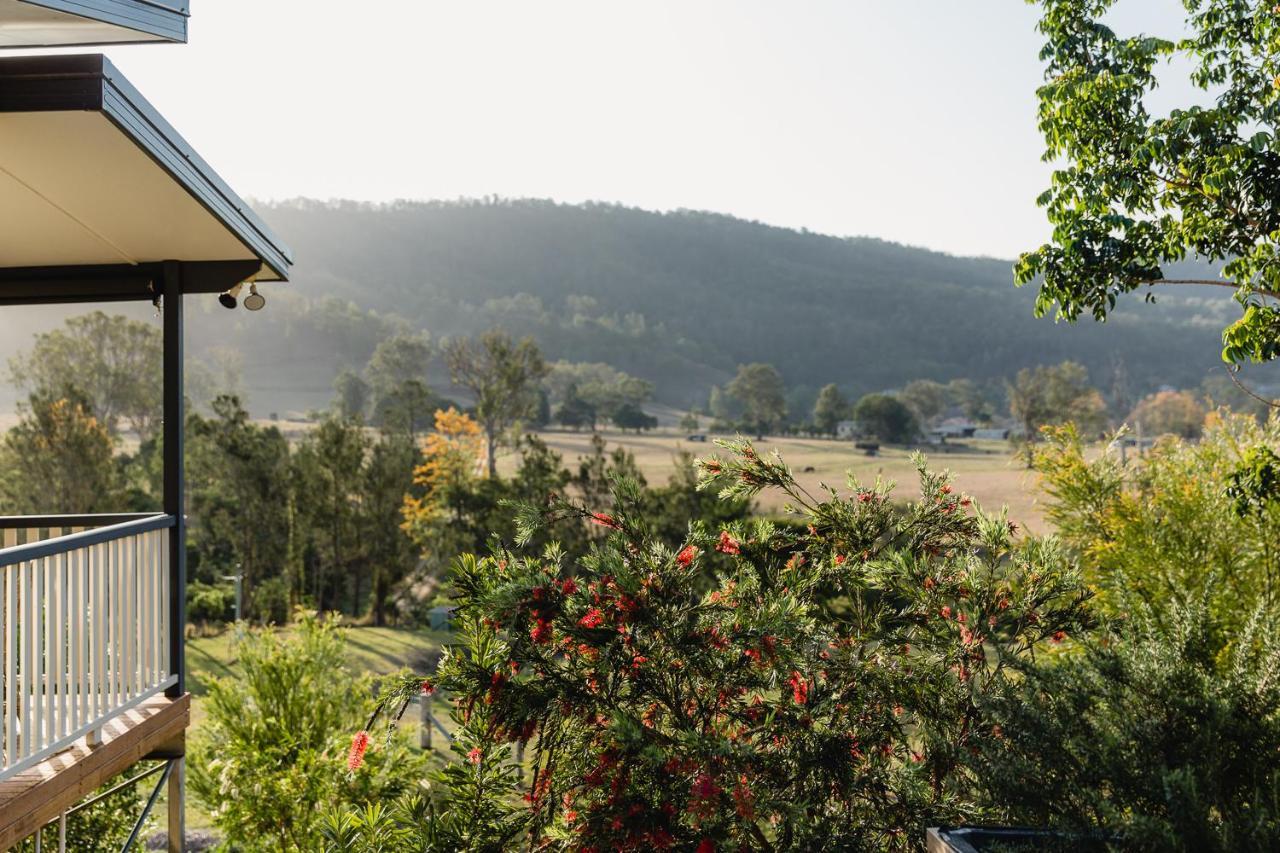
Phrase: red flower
pixel 569 587
pixel 687 555
pixel 706 846
pixel 593 619
pixel 475 755
pixel 946 612
pixel 1059 636
pixel 704 787
pixel 605 520
pixel 359 744
pixel 541 632
pixel 839 559
pixel 428 689
pixel 799 688
pixel 727 544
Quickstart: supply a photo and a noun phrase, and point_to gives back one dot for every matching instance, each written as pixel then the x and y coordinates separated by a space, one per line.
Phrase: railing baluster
pixel 83 630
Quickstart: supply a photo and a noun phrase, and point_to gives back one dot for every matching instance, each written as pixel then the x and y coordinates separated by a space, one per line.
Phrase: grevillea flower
pixel 594 618
pixel 687 555
pixel 1059 636
pixel 475 755
pixel 839 559
pixel 569 587
pixel 704 787
pixel 359 744
pixel 946 612
pixel 605 520
pixel 541 631
pixel 428 689
pixel 727 544
pixel 799 688
pixel 706 846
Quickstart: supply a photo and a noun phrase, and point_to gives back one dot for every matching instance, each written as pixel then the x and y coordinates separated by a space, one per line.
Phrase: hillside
pixel 679 298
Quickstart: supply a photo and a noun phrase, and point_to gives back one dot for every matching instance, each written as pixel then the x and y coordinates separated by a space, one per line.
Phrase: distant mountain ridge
pixel 682 298
pixel 678 298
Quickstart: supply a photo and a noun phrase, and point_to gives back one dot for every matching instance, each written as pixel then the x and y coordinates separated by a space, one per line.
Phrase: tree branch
pixel 1216 282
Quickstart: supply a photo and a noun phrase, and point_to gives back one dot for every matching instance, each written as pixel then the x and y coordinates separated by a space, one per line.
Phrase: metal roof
pixel 64 23
pixel 92 176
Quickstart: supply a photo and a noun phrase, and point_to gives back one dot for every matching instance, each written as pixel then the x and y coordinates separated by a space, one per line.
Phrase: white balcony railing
pixel 84 627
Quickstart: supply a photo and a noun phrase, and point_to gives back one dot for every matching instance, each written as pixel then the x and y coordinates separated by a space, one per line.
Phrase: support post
pixel 177 806
pixel 174 423
pixel 174 414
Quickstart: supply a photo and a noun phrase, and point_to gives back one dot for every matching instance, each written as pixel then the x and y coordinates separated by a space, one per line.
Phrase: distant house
pixel 993 433
pixel 956 428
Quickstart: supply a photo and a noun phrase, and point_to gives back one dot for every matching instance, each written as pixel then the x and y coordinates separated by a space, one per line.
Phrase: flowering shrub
pixel 822 684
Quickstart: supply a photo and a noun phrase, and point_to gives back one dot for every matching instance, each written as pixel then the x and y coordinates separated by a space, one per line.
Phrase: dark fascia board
pixel 118 282
pixel 153 20
pixel 91 82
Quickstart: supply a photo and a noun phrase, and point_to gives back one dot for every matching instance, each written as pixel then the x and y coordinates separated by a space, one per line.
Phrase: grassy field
pixel 985 470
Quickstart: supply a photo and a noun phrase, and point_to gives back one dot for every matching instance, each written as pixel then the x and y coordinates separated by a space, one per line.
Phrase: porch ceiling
pixel 61 23
pixel 91 175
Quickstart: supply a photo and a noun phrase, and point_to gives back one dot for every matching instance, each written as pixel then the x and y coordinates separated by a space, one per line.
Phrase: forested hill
pixel 678 298
pixel 683 298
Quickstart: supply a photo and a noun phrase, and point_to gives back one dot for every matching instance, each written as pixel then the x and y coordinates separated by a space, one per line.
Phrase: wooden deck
pixel 37 796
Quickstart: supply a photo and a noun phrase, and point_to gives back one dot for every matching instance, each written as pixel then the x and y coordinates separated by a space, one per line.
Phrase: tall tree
pixel 329 480
pixel 388 477
pixel 1134 192
pixel 352 394
pixel 59 459
pixel 927 398
pixel 885 417
pixel 831 408
pixel 239 480
pixel 1053 395
pixel 760 390
pixel 1170 413
pixel 396 360
pixel 502 375
pixel 113 361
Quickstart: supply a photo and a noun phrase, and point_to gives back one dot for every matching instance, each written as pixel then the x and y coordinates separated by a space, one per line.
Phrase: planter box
pixel 980 839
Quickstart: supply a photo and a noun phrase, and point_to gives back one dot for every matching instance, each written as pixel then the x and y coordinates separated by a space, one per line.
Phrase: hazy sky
pixel 912 120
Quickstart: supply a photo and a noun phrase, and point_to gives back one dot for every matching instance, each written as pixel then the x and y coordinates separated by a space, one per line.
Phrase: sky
pixel 909 120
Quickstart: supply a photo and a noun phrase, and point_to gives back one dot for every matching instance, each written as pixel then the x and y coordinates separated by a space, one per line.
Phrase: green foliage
pixel 886 418
pixel 1138 191
pixel 926 398
pixel 759 389
pixel 1165 529
pixel 352 394
pixel 1055 395
pixel 502 376
pixel 59 458
pixel 830 408
pixel 114 361
pixel 238 478
pixel 1153 734
pixel 273 747
pixel 820 685
pixel 628 416
pixel 104 826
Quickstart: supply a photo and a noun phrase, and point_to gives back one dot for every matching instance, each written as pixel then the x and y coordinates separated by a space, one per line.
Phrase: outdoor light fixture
pixel 255 300
pixel 228 299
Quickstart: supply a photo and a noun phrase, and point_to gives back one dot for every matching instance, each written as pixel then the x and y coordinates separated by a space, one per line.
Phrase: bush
pixel 1166 528
pixel 1154 734
pixel 816 686
pixel 274 745
pixel 103 826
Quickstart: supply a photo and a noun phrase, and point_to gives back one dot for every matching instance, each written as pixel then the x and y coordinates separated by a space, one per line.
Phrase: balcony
pixel 85 659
